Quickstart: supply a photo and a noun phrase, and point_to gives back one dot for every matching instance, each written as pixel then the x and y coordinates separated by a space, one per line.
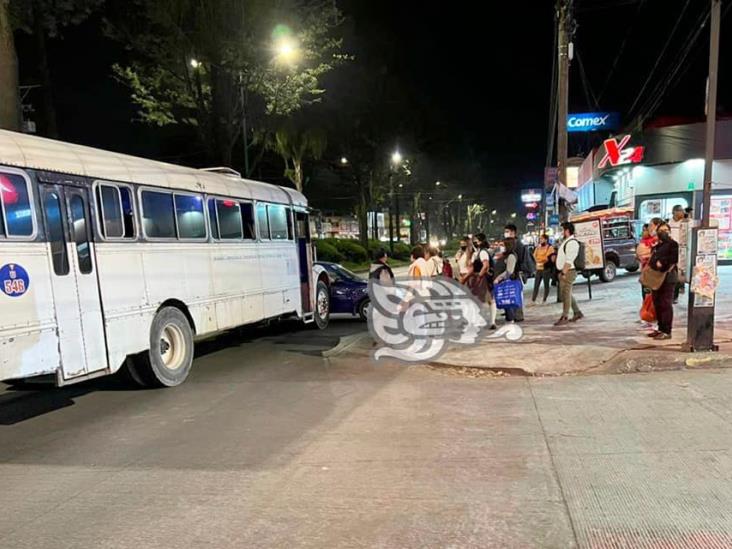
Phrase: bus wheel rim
pixel 172 347
pixel 322 304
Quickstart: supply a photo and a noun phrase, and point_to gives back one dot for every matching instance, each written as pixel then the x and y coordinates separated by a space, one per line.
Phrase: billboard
pixel 531 195
pixel 593 121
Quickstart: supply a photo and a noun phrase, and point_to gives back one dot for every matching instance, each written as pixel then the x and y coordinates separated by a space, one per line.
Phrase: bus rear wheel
pixel 168 361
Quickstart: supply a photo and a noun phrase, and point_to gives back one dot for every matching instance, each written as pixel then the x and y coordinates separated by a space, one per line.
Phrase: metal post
pixel 398 222
pixel 700 327
pixel 565 17
pixel 391 224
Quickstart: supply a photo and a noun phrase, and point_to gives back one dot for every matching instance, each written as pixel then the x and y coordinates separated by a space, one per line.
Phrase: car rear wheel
pixel 633 267
pixel 363 309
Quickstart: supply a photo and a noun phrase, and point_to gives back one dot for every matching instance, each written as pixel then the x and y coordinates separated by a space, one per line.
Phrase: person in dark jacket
pixel 380 270
pixel 664 259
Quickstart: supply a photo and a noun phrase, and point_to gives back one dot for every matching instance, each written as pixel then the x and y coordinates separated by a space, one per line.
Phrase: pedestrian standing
pixel 526 267
pixel 464 257
pixel 418 267
pixel 446 267
pixel 676 225
pixel 566 257
pixel 434 262
pixel 543 268
pixel 663 263
pixel 507 267
pixel 380 270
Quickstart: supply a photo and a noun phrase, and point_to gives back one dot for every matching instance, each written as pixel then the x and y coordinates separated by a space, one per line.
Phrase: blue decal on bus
pixel 14 280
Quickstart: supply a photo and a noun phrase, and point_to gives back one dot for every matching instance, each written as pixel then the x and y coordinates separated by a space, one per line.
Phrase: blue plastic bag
pixel 509 294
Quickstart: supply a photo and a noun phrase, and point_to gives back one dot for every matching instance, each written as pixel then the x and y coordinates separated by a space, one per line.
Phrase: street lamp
pixel 437 183
pixel 344 160
pixel 286 49
pixel 396 158
pixel 513 215
pixel 195 63
pixel 494 212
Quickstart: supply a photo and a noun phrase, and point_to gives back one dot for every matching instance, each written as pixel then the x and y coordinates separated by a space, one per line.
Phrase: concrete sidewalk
pixel 608 340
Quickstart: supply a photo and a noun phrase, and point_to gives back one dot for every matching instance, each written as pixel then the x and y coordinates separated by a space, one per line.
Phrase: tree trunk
pixel 297 170
pixel 44 72
pixel 9 101
pixel 222 113
pixel 362 212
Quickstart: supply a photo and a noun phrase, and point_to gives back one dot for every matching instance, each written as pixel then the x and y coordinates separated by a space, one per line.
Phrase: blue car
pixel 348 291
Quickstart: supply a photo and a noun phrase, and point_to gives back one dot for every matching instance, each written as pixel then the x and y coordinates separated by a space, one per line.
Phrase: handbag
pixel 648 310
pixel 653 279
pixel 509 294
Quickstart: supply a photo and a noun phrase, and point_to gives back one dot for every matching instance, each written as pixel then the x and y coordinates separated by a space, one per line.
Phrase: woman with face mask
pixel 543 269
pixel 464 258
pixel 664 259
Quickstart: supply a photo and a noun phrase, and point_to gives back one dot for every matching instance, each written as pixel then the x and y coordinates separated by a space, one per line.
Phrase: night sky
pixel 472 80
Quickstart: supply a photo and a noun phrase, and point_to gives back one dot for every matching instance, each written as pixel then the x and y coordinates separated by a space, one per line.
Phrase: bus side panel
pixel 122 285
pixel 280 278
pixel 236 284
pixel 28 331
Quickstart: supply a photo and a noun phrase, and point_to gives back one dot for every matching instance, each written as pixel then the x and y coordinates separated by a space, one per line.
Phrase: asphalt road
pixel 269 444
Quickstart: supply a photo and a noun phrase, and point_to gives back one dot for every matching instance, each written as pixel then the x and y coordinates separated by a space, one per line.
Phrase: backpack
pixel 579 261
pixel 526 261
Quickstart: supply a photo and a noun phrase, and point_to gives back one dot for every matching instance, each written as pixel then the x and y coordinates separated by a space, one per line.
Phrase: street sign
pixel 593 121
pixel 554 219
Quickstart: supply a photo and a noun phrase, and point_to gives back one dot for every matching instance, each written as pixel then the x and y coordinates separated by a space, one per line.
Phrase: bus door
pixel 305 259
pixel 77 302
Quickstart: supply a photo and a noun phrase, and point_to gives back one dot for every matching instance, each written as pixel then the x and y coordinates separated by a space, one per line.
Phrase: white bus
pixel 108 260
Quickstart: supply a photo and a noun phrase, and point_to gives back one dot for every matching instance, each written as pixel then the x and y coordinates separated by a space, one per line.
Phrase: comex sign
pixel 592 121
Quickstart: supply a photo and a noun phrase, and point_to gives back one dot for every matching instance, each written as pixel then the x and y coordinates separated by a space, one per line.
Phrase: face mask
pixel 506 234
pixel 463 248
pixel 501 249
pixel 664 236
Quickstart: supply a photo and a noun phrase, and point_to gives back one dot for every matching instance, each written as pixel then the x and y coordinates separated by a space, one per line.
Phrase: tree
pixel 45 19
pixel 294 144
pixel 211 65
pixel 9 104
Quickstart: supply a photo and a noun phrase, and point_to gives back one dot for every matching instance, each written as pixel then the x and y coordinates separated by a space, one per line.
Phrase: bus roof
pixel 600 214
pixel 26 151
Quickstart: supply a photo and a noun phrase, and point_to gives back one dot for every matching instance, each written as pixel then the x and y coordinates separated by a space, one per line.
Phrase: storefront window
pixel 659 207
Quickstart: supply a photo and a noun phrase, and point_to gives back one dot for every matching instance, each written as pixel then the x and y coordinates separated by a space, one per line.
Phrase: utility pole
pixel 9 102
pixel 391 203
pixel 244 130
pixel 565 23
pixel 700 327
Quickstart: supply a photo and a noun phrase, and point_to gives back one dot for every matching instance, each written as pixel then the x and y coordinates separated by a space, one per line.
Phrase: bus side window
pixel 290 230
pixel 262 225
pixel 158 214
pixel 110 211
pixel 80 234
pixel 247 218
pixel 15 204
pixel 52 208
pixel 128 212
pixel 277 216
pixel 213 219
pixel 190 216
pixel 229 215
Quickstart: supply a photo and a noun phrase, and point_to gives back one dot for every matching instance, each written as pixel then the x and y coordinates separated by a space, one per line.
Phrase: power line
pixel 658 59
pixel 628 32
pixel 590 97
pixel 552 126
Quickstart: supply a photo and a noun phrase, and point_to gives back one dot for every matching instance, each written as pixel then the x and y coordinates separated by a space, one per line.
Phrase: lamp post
pixel 396 161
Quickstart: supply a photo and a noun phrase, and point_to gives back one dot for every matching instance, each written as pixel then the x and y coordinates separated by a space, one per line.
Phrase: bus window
pixel 80 234
pixel 277 216
pixel 158 217
pixel 189 213
pixel 15 205
pixel 110 211
pixel 247 218
pixel 52 207
pixel 229 215
pixel 262 225
pixel 213 220
pixel 128 212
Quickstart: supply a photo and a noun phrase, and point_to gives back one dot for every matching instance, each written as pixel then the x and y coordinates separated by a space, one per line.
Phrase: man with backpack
pixel 570 259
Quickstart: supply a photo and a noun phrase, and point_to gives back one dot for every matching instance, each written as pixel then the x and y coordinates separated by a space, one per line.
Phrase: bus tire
pixel 322 305
pixel 170 356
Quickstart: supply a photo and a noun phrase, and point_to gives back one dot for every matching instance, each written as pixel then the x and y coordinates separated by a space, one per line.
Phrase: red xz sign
pixel 616 153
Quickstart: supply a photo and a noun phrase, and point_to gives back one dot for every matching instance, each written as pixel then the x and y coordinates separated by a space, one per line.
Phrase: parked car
pixel 348 291
pixel 618 240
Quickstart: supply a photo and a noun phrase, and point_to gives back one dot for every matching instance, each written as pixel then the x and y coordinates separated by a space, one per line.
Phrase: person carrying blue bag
pixel 508 289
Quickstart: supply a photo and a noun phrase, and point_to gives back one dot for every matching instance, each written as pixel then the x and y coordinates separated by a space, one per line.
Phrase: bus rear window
pixel 15 205
pixel 158 215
